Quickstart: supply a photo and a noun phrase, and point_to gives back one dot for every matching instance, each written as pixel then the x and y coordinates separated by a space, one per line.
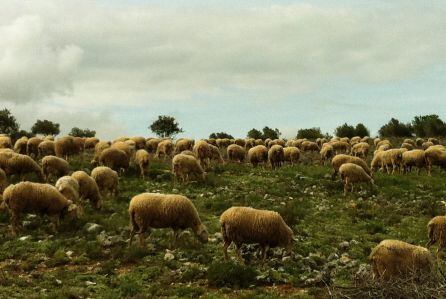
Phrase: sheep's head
pixel 202 233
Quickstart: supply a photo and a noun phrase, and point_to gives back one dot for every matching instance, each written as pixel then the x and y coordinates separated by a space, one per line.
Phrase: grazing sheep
pixel 258 154
pixel 407 146
pixel 250 143
pixel 376 141
pixel 32 147
pixel 352 173
pixel 384 147
pixel 183 144
pixel 354 140
pixel 215 154
pixel 280 142
pixel 426 145
pixel 79 143
pixel 291 154
pixel 360 149
pixel 412 158
pixel 88 189
pixel 164 149
pixel 5 142
pixel 91 142
pixel 107 180
pixel 223 142
pixel 142 160
pixel 152 144
pixel 22 165
pixel 410 141
pixel 20 145
pixel 340 159
pixel 190 153
pixel 392 157
pixel 140 142
pixel 114 158
pixel 276 156
pixel 202 152
pixel 366 139
pixel 245 225
pixel 433 140
pixel 419 142
pixel 28 197
pixel 340 147
pixel 326 152
pixel 240 142
pixel 128 149
pixel 212 141
pixel 435 156
pixel 382 142
pixel 154 210
pixel 376 161
pixel 5 154
pixel 54 166
pixel 46 148
pixel 345 139
pixel 236 153
pixel 98 148
pixel 65 147
pixel 309 146
pixel 187 167
pixel 3 181
pixel 393 259
pixel 69 187
pixel 437 233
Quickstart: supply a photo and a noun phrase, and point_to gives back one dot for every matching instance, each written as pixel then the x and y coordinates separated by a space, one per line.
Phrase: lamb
pixel 68 187
pixel 352 173
pixel 5 142
pixel 107 180
pixel 54 166
pixel 164 149
pixel 415 158
pixel 291 154
pixel 91 142
pixel 245 225
pixel 183 144
pixel 46 148
pixel 98 148
pixel 187 166
pixel 154 210
pixel 32 147
pixel 65 147
pixel 340 159
pixel 88 189
pixel 276 156
pixel 114 158
pixel 326 152
pixel 258 154
pixel 202 152
pixel 142 160
pixel 28 197
pixel 437 233
pixel 20 145
pixel 22 165
pixel 3 181
pixel 152 144
pixel 236 153
pixel 393 258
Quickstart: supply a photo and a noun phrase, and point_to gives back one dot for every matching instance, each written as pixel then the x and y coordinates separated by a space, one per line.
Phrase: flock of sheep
pixel 191 160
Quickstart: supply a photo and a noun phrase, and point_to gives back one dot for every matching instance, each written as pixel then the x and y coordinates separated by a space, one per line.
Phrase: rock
pixel 286 259
pixel 25 238
pixel 90 283
pixel 344 246
pixel 218 236
pixel 58 281
pixel 345 259
pixel 92 228
pixel 327 176
pixel 333 256
pixel 69 253
pixel 168 256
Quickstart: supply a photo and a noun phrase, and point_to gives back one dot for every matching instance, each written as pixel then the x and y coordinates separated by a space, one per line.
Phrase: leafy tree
pixel 361 130
pixel 77 132
pixel 428 126
pixel 254 133
pixel 45 127
pixel 271 133
pixel 165 126
pixel 310 133
pixel 345 130
pixel 8 123
pixel 220 135
pixel 22 133
pixel 394 128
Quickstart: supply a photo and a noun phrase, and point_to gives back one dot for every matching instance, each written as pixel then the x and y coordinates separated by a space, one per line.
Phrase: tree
pixel 394 128
pixel 428 126
pixel 76 132
pixel 361 130
pixel 310 133
pixel 22 133
pixel 254 133
pixel 345 130
pixel 165 126
pixel 271 133
pixel 220 135
pixel 8 123
pixel 45 127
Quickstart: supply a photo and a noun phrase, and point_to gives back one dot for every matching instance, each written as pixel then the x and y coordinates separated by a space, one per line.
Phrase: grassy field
pixel 335 235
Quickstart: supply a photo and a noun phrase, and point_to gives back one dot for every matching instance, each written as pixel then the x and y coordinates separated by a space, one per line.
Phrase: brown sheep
pixel 107 180
pixel 114 158
pixel 164 149
pixel 54 166
pixel 437 233
pixel 236 153
pixel 435 156
pixel 340 159
pixel 202 152
pixel 32 147
pixel 187 167
pixel 20 145
pixel 326 152
pixel 98 148
pixel 276 156
pixel 258 154
pixel 65 147
pixel 91 142
pixel 183 144
pixel 152 144
pixel 291 154
pixel 88 188
pixel 353 173
pixel 46 148
pixel 22 165
pixel 142 160
pixel 412 158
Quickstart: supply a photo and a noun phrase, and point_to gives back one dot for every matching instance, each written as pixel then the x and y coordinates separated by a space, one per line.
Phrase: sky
pixel 114 66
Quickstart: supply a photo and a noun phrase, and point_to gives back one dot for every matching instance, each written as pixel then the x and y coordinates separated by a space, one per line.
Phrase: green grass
pixel 309 201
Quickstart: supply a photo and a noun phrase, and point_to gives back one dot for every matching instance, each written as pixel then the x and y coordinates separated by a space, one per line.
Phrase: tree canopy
pixel 8 123
pixel 220 135
pixel 165 126
pixel 45 127
pixel 77 132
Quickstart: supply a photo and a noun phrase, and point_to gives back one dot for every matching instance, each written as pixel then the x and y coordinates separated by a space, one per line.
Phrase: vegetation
pixel 76 132
pixel 429 126
pixel 394 128
pixel 350 131
pixel 8 123
pixel 334 237
pixel 165 126
pixel 221 135
pixel 310 133
pixel 45 127
pixel 254 133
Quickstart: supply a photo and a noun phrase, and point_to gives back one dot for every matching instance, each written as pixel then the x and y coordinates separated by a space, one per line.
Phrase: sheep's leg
pixel 333 176
pixel 264 250
pixel 239 253
pixel 15 223
pixel 132 234
pixel 225 249
pixel 345 188
pixel 55 222
pixel 141 238
pixel 173 242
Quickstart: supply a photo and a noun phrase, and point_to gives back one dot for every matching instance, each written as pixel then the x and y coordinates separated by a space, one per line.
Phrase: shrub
pixel 228 274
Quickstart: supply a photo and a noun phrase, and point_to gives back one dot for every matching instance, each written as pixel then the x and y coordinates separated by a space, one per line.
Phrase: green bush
pixel 228 274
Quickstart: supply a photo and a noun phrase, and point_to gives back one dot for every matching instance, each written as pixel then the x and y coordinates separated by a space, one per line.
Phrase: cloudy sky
pixel 114 66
